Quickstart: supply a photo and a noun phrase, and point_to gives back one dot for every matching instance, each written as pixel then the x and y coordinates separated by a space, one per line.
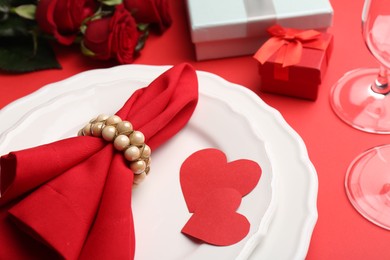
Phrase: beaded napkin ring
pixel 125 139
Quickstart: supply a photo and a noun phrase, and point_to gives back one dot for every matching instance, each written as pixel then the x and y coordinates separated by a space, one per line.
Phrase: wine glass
pixel 360 96
pixel 361 99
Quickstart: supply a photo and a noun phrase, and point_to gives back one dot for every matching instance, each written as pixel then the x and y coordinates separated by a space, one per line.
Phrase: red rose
pixel 155 12
pixel 113 37
pixel 62 18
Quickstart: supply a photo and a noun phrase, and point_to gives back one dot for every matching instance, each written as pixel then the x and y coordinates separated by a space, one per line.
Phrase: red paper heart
pixel 208 169
pixel 216 221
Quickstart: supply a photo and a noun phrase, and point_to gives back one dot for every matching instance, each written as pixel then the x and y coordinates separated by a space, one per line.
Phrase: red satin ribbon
pixel 288 43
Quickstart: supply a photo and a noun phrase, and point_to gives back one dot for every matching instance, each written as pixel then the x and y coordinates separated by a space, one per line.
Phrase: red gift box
pixel 293 62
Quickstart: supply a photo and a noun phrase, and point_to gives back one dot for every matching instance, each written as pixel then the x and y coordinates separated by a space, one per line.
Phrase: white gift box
pixel 227 28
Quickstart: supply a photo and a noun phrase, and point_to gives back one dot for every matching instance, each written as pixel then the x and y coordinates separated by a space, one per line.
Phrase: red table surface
pixel 341 232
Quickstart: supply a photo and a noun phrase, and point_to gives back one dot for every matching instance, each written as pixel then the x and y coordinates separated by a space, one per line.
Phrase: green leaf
pixel 15 26
pixel 26 11
pixel 18 55
pixel 111 2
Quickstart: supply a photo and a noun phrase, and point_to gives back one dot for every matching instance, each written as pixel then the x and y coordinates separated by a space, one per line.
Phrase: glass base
pixel 368 185
pixel 353 100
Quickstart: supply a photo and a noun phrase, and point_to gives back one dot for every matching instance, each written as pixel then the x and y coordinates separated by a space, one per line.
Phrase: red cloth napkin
pixel 71 199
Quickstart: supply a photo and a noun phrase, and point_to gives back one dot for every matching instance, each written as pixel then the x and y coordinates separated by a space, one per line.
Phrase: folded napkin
pixel 71 199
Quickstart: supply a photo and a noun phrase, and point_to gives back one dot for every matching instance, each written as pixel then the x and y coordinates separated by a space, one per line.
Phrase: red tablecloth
pixel 341 232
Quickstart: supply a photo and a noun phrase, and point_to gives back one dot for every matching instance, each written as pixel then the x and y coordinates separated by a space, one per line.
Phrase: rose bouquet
pixel 104 29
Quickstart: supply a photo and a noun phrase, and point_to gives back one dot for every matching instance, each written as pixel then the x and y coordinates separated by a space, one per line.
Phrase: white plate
pixel 158 206
pixel 267 139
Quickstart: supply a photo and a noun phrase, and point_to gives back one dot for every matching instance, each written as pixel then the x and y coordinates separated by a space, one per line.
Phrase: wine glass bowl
pixel 376 30
pixel 361 98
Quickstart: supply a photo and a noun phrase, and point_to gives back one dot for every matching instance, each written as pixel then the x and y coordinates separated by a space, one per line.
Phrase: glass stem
pixel 381 84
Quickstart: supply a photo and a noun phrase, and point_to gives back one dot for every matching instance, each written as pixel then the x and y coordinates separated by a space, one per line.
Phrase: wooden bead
pixel 96 129
pixel 138 178
pixel 87 129
pixel 101 117
pixel 124 127
pixel 113 120
pixel 121 142
pixel 109 133
pixel 138 167
pixel 146 152
pixel 80 132
pixel 137 138
pixel 132 153
pixel 148 162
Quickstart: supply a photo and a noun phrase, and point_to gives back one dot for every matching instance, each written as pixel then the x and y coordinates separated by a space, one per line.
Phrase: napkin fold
pixel 71 199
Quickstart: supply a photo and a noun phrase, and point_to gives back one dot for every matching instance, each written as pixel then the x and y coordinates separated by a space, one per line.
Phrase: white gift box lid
pixel 223 28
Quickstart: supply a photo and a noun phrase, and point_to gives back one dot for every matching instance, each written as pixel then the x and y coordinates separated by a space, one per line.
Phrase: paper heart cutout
pixel 216 221
pixel 207 170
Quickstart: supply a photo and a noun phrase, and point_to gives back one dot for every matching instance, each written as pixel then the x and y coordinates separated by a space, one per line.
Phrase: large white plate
pixel 224 111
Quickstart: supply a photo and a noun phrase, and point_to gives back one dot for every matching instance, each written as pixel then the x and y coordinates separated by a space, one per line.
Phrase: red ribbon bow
pixel 288 44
